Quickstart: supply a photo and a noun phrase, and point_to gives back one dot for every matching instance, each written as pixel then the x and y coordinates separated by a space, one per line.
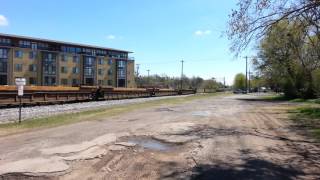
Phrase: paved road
pixel 233 137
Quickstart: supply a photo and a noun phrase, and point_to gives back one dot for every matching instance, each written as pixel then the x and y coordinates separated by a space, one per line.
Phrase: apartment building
pixel 51 63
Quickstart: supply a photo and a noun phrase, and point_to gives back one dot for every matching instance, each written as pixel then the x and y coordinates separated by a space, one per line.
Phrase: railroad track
pixel 9 97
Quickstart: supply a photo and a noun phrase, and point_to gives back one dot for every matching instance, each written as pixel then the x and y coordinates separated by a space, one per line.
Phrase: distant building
pixel 50 63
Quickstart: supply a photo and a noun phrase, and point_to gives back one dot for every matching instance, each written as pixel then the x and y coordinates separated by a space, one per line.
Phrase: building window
pixel 110 62
pixel 3 66
pixel 5 41
pixel 32 81
pixel 50 69
pixel 49 81
pixel 121 73
pixel 32 55
pixel 18 54
pixel 75 82
pixel 64 81
pixel 43 46
pixel 89 61
pixel 34 46
pixel 76 59
pixel 32 68
pixel 88 71
pixel 75 70
pixel 18 67
pixel 64 57
pixel 4 53
pixel 100 82
pixel 100 71
pixel 101 61
pixel 110 72
pixel 25 44
pixel 64 69
pixel 121 64
pixel 109 82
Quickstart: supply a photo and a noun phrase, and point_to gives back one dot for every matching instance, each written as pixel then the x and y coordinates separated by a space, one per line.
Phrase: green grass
pixel 308 117
pixel 306 114
pixel 98 114
pixel 309 112
pixel 296 100
pixel 275 98
pixel 316 133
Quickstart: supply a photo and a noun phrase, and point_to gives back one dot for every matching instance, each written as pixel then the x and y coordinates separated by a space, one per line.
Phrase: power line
pixel 174 62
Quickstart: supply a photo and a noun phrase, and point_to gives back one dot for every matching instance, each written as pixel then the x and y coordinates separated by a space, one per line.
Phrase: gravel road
pixel 233 137
pixel 11 114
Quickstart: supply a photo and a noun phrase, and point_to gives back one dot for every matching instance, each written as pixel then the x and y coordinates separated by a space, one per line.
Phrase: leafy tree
pixel 288 58
pixel 164 81
pixel 239 81
pixel 288 33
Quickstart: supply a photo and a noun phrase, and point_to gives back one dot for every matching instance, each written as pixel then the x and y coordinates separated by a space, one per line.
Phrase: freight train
pixel 40 95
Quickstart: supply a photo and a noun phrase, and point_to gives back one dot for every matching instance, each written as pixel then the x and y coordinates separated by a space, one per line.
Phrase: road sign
pixel 20 81
pixel 20 90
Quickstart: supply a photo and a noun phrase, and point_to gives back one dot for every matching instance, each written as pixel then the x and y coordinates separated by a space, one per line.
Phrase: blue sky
pixel 160 32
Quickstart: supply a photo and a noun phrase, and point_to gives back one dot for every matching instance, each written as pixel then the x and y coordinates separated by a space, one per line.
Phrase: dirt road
pixel 214 138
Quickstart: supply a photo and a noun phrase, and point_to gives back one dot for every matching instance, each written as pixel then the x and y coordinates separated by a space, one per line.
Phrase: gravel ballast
pixel 12 114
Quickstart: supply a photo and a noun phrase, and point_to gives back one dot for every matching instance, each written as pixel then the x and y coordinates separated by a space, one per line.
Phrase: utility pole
pixel 249 80
pixel 224 82
pixel 137 74
pixel 181 74
pixel 246 74
pixel 138 65
pixel 148 77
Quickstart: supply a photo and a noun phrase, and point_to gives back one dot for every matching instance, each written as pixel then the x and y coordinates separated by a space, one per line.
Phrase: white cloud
pixel 198 33
pixel 3 21
pixel 111 37
pixel 202 32
pixel 207 32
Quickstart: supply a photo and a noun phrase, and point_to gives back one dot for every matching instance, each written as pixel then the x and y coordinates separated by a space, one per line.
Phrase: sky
pixel 161 33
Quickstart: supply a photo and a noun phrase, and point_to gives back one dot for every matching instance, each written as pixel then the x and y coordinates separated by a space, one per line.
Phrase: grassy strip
pixel 283 98
pixel 98 114
pixel 307 114
pixel 308 117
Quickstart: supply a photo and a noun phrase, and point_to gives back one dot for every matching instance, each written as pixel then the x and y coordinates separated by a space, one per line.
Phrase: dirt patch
pixel 221 138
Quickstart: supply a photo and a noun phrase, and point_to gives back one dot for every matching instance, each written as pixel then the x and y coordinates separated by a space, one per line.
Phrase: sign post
pixel 20 82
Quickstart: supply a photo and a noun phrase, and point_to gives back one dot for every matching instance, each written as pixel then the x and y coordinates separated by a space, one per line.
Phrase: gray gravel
pixel 11 114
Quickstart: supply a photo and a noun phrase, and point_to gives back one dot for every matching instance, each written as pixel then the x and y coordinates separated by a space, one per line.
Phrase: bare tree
pixel 254 18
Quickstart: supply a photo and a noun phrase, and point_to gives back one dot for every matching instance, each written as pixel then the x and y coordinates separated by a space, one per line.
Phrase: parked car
pixel 239 91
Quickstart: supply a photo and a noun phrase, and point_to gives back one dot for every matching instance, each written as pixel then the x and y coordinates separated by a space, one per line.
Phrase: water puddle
pixel 151 144
pixel 164 110
pixel 201 113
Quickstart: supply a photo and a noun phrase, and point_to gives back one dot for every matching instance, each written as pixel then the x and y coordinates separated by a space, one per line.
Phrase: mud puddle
pixel 201 113
pixel 152 144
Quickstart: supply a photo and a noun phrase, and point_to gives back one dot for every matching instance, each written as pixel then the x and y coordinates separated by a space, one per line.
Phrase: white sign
pixel 20 81
pixel 20 90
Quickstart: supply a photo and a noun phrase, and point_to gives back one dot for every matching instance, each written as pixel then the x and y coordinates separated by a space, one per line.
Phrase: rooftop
pixel 61 42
